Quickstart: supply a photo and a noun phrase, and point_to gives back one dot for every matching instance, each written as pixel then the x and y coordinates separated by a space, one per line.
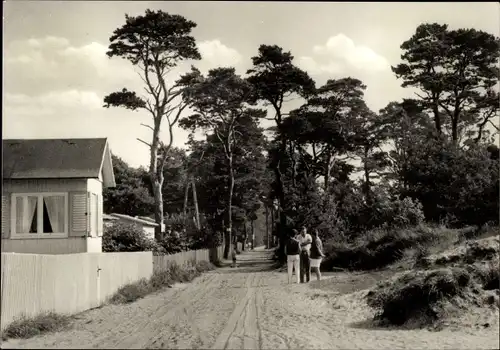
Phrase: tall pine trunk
pixel 186 198
pixel 253 234
pixel 272 224
pixel 156 176
pixel 158 199
pixel 367 187
pixel 245 235
pixel 268 243
pixel 195 200
pixel 281 198
pixel 229 218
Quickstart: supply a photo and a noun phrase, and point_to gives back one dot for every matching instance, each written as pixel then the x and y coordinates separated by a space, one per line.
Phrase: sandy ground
pixel 251 307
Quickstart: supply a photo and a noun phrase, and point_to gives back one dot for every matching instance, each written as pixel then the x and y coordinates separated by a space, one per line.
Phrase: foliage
pixel 160 279
pixel 219 101
pixel 461 185
pixel 456 71
pixel 155 43
pixel 123 237
pixel 131 195
pixel 417 294
pixel 275 78
pixel 377 248
pixel 428 158
pixel 28 327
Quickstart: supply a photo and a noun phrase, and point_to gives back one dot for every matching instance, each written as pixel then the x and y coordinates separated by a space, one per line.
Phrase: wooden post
pixel 253 234
pixel 195 200
pixel 267 227
pixel 186 198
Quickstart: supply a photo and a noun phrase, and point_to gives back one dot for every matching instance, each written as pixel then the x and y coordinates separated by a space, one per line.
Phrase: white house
pixel 146 224
pixel 52 199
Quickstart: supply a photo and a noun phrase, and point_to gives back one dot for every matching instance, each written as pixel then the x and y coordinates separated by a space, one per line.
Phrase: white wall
pixel 45 245
pixel 72 244
pixel 94 244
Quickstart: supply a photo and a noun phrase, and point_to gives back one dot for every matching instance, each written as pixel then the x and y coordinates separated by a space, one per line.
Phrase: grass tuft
pixel 27 327
pixel 417 294
pixel 160 279
pixel 382 247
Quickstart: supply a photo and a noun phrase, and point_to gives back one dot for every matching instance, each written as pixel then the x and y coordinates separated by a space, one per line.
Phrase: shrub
pixel 27 327
pixel 124 237
pixel 160 279
pixel 417 294
pixel 487 274
pixel 377 248
pixel 174 243
pixel 131 292
pixel 459 185
pixel 394 213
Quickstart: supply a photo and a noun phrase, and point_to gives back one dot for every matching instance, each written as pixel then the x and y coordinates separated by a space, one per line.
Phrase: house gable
pixel 54 158
pixel 106 173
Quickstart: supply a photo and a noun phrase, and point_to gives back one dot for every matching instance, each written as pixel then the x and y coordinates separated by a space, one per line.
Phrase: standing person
pixel 316 254
pixel 305 240
pixel 233 255
pixel 292 251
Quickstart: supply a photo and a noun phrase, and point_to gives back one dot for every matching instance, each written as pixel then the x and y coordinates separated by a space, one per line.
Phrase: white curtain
pixel 25 213
pixel 55 209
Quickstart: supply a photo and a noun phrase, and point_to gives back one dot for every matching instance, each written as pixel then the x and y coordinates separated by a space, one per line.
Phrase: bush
pixel 377 248
pixel 160 279
pixel 27 327
pixel 131 292
pixel 417 294
pixel 459 185
pixel 487 274
pixel 124 237
pixel 394 213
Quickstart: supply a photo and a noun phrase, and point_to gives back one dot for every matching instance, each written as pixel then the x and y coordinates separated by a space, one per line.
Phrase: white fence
pixel 67 284
pixel 72 283
pixel 161 262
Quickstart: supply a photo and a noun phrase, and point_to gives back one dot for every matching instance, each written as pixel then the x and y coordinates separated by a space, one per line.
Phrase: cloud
pixel 54 88
pixel 340 53
pixel 50 103
pixel 313 67
pixel 35 65
pixel 215 53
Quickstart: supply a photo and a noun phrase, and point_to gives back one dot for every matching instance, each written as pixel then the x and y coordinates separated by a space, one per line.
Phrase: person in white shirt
pixel 292 251
pixel 305 240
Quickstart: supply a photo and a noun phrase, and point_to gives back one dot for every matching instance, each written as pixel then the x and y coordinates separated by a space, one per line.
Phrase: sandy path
pixel 251 308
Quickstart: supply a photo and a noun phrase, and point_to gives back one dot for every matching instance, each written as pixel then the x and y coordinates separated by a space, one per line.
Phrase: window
pixel 40 215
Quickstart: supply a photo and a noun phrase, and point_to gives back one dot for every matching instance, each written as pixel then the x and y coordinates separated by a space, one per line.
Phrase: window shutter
pixel 5 216
pixel 100 223
pixel 79 214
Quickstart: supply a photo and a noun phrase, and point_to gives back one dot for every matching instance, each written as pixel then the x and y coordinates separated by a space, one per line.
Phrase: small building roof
pixel 107 217
pixel 135 220
pixel 58 158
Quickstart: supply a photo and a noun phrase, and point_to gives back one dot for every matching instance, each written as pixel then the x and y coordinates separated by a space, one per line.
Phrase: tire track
pixel 131 324
pixel 137 335
pixel 192 294
pixel 258 301
pixel 238 321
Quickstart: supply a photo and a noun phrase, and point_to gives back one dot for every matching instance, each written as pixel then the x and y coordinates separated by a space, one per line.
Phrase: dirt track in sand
pixel 252 307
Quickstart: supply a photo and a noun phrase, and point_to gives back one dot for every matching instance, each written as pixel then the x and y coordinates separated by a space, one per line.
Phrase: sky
pixel 56 73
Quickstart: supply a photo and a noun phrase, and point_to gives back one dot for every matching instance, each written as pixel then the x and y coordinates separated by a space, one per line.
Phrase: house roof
pixel 107 217
pixel 57 158
pixel 135 220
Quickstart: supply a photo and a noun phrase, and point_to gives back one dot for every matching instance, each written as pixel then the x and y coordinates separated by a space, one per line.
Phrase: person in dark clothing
pixel 316 254
pixel 305 240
